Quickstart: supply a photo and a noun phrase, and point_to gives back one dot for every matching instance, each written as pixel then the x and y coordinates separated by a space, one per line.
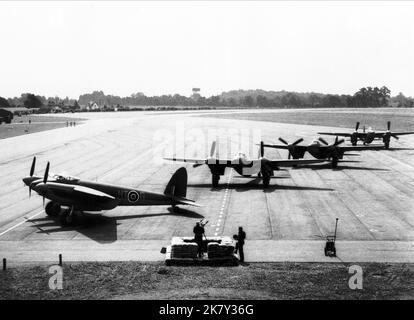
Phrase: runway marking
pixel 20 223
pixel 223 204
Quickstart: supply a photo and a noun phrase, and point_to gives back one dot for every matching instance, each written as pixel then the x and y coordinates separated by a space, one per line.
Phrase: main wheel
pixel 334 163
pixel 67 219
pixel 266 181
pixel 52 209
pixel 215 180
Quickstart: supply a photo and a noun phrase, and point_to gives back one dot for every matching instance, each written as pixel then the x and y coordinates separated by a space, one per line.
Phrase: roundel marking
pixel 133 196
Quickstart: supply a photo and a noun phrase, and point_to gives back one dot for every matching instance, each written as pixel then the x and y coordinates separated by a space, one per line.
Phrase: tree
pixel 32 101
pixel 4 103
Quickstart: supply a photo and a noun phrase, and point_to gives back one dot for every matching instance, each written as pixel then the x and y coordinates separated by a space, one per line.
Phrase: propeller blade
pixel 261 149
pixel 30 190
pixel 289 155
pixel 297 142
pixel 46 173
pixel 195 165
pixel 213 148
pixel 43 202
pixel 388 125
pixel 394 136
pixel 33 166
pixel 323 141
pixel 283 141
pixel 357 126
pixel 363 129
pixel 338 142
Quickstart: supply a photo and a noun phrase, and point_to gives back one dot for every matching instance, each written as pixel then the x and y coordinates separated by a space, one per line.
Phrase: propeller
pixel 45 179
pixel 46 173
pixel 323 141
pixel 213 148
pixel 32 169
pixel 338 142
pixel 261 149
pixel 389 131
pixel 357 126
pixel 363 128
pixel 290 146
pixel 212 151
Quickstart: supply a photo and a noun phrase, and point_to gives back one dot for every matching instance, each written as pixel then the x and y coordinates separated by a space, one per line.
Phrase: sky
pixel 69 48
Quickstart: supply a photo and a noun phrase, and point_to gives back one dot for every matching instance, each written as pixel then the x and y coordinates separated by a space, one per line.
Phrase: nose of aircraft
pixel 29 180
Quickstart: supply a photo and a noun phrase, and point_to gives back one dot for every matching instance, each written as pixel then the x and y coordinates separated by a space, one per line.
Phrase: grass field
pixel 21 126
pixel 134 280
pixel 401 119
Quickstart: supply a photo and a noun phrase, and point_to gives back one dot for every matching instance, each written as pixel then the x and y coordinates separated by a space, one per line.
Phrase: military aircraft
pixel 369 135
pixel 332 152
pixel 261 166
pixel 80 196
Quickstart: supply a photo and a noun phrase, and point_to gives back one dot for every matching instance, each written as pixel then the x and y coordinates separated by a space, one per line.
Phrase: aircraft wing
pixel 92 192
pixel 339 134
pixel 198 161
pixel 360 148
pixel 380 134
pixel 294 162
pixel 283 146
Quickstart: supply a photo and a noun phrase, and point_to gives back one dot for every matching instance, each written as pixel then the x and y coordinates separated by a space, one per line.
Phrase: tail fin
pixel 177 186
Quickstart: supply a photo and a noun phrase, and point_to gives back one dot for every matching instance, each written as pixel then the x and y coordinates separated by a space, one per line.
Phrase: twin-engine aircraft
pixel 332 152
pixel 369 135
pixel 262 166
pixel 86 196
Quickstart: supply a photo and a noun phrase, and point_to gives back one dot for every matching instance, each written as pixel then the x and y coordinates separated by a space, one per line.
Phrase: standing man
pixel 198 238
pixel 240 243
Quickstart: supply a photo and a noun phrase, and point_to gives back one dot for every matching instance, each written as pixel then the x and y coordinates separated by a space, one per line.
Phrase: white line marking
pixel 20 223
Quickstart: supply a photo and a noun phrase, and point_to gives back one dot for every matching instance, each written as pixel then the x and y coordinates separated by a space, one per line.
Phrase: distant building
pixel 196 94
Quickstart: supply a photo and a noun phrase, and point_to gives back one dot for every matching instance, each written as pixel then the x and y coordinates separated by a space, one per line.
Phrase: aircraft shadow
pixel 100 228
pixel 339 168
pixel 256 185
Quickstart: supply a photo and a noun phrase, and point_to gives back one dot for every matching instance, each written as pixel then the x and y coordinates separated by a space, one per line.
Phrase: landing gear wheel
pixel 215 180
pixel 67 219
pixel 266 181
pixel 52 209
pixel 334 163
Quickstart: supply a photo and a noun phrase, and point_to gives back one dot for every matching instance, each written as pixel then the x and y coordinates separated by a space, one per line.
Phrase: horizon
pixel 67 49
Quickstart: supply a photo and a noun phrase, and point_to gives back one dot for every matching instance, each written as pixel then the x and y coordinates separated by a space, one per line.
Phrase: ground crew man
pixel 198 238
pixel 240 243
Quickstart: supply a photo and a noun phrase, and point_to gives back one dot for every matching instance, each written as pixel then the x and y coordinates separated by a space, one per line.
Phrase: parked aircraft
pixel 86 196
pixel 332 152
pixel 369 135
pixel 262 166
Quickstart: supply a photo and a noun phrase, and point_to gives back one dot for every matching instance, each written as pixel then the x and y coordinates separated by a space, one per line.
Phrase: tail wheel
pixel 215 180
pixel 52 209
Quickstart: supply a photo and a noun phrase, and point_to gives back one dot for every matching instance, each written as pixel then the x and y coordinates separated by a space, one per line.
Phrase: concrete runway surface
pixel 372 198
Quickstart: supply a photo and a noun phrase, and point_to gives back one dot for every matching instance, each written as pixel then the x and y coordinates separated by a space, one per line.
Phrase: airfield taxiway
pixel 373 198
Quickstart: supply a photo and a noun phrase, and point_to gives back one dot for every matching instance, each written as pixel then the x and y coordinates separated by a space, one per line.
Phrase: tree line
pixel 363 98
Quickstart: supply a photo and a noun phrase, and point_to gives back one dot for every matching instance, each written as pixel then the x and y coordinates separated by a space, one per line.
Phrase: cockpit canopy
pixel 64 178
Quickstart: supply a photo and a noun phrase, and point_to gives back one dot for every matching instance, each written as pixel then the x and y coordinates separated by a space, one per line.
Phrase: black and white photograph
pixel 219 153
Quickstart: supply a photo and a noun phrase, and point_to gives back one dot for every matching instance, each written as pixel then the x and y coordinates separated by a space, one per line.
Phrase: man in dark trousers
pixel 240 243
pixel 198 238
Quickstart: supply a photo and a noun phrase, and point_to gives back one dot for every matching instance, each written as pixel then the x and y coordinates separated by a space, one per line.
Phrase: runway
pixel 372 198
